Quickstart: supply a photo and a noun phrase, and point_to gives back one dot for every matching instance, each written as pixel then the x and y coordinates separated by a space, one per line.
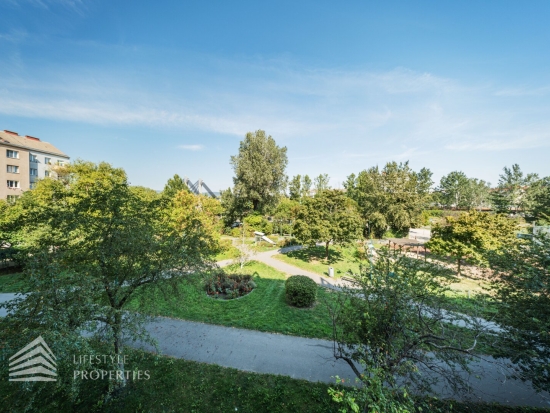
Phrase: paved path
pixel 267 258
pixel 301 358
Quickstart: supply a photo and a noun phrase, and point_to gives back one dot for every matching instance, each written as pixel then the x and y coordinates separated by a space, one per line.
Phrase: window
pixel 60 163
pixel 32 185
pixel 12 198
pixel 13 184
pixel 48 161
pixel 13 169
pixel 47 173
pixel 33 158
pixel 12 154
pixel 33 172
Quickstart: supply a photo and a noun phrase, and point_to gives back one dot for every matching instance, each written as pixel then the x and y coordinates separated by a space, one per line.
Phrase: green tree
pixel 321 183
pixel 90 243
pixel 472 236
pixel 295 188
pixel 538 209
pixel 478 194
pixel 285 215
pixel 453 189
pixel 392 197
pixel 329 217
pixel 259 170
pixel 393 328
pixel 306 185
pixel 521 286
pixel 174 186
pixel 510 195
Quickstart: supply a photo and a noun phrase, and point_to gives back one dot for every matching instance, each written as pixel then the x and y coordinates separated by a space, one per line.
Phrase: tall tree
pixel 306 185
pixel 478 195
pixel 174 186
pixel 510 195
pixel 259 170
pixel 321 183
pixel 453 189
pixel 329 217
pixel 393 196
pixel 90 243
pixel 295 188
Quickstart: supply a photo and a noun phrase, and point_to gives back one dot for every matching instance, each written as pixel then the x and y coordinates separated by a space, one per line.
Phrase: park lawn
pixel 177 385
pixel 228 254
pixel 12 283
pixel 264 309
pixel 342 259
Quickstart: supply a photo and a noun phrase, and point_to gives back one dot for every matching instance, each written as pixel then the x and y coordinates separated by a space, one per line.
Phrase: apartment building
pixel 23 161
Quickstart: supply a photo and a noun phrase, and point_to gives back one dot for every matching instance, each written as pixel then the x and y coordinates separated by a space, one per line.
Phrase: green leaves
pixel 393 196
pixel 259 170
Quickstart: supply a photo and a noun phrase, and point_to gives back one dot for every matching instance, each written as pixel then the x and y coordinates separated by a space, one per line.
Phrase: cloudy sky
pixel 160 88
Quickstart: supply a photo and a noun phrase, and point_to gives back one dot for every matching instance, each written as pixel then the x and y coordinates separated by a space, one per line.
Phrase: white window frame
pixel 31 172
pixel 48 161
pixel 33 158
pixel 12 169
pixel 13 184
pixel 12 152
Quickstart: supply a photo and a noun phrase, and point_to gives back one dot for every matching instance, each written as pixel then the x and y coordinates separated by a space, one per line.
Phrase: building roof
pixel 29 142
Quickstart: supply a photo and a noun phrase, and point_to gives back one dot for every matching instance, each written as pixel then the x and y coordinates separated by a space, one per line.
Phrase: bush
pixel 259 223
pixel 300 291
pixel 288 242
pixel 236 232
pixel 222 285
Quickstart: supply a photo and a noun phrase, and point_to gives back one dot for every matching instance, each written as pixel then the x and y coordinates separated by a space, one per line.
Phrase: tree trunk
pixel 117 329
pixel 326 249
pixel 255 204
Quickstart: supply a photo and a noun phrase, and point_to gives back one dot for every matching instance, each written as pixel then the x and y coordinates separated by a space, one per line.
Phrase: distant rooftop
pixel 29 142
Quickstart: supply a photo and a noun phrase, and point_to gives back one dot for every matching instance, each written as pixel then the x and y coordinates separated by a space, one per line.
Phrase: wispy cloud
pixel 191 147
pixel 357 112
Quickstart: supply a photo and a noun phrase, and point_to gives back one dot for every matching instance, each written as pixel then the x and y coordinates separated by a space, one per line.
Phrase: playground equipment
pixel 260 236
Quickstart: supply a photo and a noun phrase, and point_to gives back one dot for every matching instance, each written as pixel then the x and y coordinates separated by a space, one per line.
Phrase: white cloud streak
pixel 191 147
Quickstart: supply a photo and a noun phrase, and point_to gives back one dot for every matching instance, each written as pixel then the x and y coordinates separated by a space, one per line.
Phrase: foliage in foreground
pixel 521 284
pixel 89 242
pixel 393 328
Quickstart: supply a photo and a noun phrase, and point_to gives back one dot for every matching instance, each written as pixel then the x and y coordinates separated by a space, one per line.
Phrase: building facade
pixel 23 161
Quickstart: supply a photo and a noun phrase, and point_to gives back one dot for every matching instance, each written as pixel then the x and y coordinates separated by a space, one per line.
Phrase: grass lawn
pixel 177 385
pixel 264 309
pixel 12 283
pixel 343 259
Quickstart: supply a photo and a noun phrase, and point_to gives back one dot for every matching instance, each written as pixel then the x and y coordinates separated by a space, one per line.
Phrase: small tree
pixel 321 183
pixel 329 217
pixel 174 186
pixel 394 329
pixel 471 236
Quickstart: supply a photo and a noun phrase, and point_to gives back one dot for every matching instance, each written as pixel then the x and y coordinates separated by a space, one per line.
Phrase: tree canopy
pixel 89 242
pixel 472 235
pixel 510 194
pixel 392 197
pixel 259 170
pixel 328 217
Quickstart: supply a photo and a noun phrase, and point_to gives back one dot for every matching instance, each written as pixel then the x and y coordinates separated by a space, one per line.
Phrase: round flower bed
pixel 229 286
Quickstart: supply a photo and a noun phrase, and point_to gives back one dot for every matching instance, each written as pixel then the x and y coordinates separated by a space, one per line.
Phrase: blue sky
pixel 173 86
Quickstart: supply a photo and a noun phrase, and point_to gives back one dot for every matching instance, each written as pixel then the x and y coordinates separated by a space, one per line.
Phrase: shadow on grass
pixel 316 253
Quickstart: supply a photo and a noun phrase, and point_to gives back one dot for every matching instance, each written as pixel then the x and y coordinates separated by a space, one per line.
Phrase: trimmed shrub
pixel 300 291
pixel 228 286
pixel 236 232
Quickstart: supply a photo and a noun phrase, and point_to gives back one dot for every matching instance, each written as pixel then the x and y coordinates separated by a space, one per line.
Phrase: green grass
pixel 264 309
pixel 12 283
pixel 342 259
pixel 228 254
pixel 177 385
